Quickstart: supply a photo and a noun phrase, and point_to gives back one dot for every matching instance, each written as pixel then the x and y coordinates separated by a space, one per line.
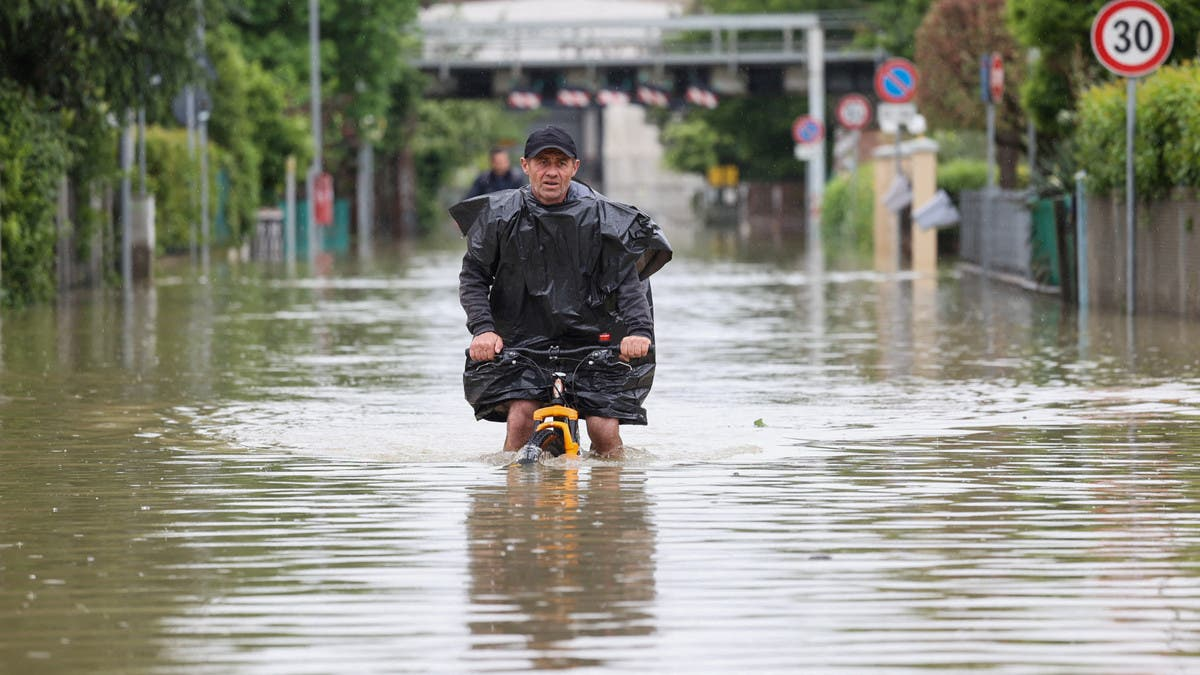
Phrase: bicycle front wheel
pixel 549 440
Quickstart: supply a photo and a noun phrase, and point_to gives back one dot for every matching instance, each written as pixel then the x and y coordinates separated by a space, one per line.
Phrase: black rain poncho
pixel 560 275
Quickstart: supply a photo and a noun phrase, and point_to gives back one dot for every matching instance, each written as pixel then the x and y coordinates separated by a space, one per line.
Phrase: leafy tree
pixel 33 157
pixel 84 54
pixel 753 133
pixel 896 23
pixel 68 71
pixel 362 42
pixel 448 132
pixel 950 41
pixel 1061 31
pixel 1166 145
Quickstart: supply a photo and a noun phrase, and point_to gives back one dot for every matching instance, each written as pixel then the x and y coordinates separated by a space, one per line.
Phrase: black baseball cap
pixel 550 137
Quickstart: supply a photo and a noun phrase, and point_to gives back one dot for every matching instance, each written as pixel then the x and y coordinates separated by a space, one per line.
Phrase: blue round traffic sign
pixel 808 129
pixel 896 81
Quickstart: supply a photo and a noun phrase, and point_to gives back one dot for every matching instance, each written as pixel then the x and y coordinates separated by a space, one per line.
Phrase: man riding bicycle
pixel 556 263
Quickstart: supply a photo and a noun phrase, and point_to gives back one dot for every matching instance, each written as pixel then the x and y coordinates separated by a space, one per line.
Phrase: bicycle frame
pixel 557 415
pixel 547 417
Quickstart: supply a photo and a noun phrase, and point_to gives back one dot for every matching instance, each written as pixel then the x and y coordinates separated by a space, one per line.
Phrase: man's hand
pixel 634 347
pixel 485 346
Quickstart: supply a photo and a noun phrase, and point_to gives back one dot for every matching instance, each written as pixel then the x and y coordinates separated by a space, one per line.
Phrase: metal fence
pixel 996 233
pixel 1167 258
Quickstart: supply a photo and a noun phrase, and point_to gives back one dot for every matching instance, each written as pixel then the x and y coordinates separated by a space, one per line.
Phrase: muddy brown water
pixel 844 472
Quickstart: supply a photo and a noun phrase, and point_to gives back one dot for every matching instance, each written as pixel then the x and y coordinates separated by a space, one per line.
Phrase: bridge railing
pixel 696 40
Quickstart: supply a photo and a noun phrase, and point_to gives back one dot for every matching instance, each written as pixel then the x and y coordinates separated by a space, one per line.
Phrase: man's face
pixel 550 173
pixel 500 163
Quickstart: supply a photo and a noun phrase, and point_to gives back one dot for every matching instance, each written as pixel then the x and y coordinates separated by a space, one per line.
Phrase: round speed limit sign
pixel 1132 37
pixel 854 111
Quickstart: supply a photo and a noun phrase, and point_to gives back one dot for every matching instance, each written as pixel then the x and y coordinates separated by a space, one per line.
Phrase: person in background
pixel 501 175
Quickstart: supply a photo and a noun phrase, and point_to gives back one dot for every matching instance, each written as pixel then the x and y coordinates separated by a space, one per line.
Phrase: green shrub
pixel 174 180
pixel 33 159
pixel 848 213
pixel 962 174
pixel 1166 140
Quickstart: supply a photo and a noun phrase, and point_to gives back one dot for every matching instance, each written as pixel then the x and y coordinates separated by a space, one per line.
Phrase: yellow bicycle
pixel 557 422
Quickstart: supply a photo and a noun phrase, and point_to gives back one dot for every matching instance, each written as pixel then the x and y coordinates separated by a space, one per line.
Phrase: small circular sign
pixel 808 129
pixel 896 81
pixel 1132 37
pixel 996 78
pixel 854 111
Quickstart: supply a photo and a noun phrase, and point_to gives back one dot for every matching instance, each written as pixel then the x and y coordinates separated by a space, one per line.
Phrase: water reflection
pixel 558 557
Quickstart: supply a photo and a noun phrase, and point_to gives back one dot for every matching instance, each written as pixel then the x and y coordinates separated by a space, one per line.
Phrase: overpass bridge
pixel 764 55
pixel 732 55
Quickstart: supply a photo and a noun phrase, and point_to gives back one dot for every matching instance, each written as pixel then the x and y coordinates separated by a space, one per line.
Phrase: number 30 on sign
pixel 1132 37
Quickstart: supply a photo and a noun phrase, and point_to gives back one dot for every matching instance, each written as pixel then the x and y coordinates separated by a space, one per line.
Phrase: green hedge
pixel 33 158
pixel 1166 140
pixel 962 174
pixel 174 181
pixel 848 213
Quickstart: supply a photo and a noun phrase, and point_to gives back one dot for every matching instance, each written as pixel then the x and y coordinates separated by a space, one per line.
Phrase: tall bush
pixel 33 158
pixel 174 179
pixel 848 212
pixel 1167 137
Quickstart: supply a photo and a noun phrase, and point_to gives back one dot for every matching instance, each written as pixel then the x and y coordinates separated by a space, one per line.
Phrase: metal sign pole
pixel 314 82
pixel 815 171
pixel 1130 197
pixel 898 235
pixel 989 192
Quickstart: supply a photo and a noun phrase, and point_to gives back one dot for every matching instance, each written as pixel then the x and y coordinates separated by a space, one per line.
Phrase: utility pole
pixel 204 225
pixel 126 202
pixel 314 83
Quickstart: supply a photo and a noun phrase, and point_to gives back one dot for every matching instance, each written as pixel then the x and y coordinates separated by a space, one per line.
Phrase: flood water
pixel 843 472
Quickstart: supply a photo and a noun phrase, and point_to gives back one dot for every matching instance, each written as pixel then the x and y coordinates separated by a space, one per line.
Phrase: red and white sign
pixel 652 96
pixel 701 97
pixel 896 81
pixel 854 112
pixel 606 97
pixel 808 130
pixel 524 100
pixel 323 199
pixel 996 77
pixel 573 98
pixel 1132 37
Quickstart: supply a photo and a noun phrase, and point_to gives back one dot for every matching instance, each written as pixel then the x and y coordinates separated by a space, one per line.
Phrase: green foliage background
pixel 848 212
pixel 33 156
pixel 70 71
pixel 1167 137
pixel 1060 30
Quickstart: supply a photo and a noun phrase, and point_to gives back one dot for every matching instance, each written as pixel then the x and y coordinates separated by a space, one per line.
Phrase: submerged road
pixel 844 471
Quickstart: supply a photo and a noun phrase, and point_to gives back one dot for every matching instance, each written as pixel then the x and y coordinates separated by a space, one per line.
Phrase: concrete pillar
pixel 919 163
pixel 923 160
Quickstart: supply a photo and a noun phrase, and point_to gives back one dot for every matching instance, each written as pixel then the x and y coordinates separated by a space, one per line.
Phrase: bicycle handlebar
pixel 554 352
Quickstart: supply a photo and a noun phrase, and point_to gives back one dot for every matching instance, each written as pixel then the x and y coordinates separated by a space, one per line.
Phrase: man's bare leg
pixel 605 433
pixel 520 423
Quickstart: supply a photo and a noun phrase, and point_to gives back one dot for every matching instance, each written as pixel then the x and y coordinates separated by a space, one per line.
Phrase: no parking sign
pixel 896 81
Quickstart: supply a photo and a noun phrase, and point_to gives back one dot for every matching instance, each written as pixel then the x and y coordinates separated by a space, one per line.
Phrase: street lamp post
pixel 314 82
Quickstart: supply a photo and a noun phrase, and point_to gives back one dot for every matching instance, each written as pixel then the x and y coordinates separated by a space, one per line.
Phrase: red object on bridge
pixel 702 97
pixel 521 99
pixel 574 98
pixel 606 97
pixel 323 199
